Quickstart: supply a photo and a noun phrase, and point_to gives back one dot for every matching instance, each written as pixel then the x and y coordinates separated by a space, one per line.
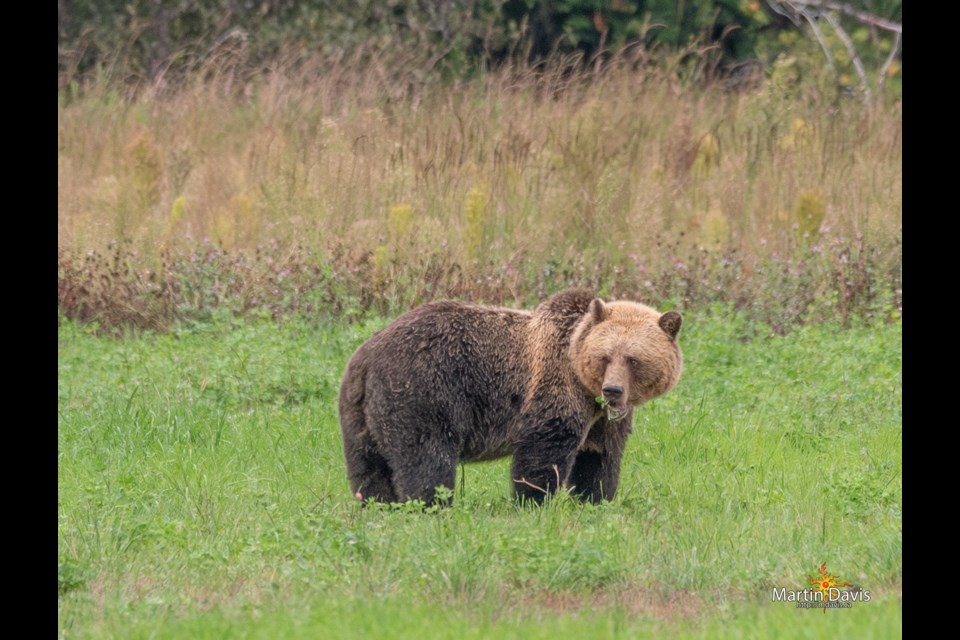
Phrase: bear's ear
pixel 670 322
pixel 597 311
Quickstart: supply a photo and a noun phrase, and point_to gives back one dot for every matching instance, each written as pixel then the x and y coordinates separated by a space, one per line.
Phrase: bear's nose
pixel 612 391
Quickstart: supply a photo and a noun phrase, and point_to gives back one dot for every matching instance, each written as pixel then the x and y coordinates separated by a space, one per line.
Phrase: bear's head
pixel 626 353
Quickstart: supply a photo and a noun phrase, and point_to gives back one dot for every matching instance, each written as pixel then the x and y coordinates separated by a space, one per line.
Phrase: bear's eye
pixel 605 360
pixel 633 362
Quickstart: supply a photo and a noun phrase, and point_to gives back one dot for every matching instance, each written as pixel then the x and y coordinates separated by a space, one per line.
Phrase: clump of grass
pixel 809 212
pixel 474 212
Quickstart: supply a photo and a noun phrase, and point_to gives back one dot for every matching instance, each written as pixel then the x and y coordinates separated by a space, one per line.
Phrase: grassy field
pixel 333 191
pixel 201 486
pixel 202 493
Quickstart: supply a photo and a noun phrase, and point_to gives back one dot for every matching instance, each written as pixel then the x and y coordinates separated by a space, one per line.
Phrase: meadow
pixel 202 493
pixel 342 192
pixel 225 242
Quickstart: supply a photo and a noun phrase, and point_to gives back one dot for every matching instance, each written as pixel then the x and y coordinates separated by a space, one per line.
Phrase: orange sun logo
pixel 825 582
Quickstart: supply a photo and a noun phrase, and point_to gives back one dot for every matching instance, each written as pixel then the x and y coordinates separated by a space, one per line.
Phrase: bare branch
pixel 890 58
pixel 794 9
pixel 529 484
pixel 862 16
pixel 815 26
pixel 848 43
pixel 556 472
pixel 785 9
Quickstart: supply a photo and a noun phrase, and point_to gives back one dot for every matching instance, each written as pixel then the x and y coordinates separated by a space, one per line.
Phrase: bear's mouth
pixel 616 413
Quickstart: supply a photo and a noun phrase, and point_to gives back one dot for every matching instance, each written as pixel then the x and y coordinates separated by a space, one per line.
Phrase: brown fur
pixel 450 382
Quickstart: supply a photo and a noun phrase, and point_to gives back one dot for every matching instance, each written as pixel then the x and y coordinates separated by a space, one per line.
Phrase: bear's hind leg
pixel 369 472
pixel 419 479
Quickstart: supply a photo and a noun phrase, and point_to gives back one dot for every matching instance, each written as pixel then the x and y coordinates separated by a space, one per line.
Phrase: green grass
pixel 202 493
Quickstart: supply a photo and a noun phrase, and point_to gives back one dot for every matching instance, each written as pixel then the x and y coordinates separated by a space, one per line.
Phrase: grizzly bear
pixel 450 382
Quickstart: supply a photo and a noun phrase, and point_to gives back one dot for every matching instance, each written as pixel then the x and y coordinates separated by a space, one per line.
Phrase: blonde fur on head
pixel 628 345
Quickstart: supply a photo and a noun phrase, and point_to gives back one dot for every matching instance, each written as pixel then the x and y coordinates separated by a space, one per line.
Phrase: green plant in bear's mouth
pixel 613 414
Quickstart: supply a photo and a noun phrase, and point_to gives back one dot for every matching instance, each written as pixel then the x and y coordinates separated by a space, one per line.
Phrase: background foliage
pixel 321 190
pixel 150 39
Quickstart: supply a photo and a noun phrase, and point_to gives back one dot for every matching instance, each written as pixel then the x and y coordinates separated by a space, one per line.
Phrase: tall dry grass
pixel 338 190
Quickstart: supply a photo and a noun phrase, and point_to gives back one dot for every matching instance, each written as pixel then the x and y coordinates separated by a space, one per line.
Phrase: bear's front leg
pixel 596 471
pixel 544 458
pixel 595 475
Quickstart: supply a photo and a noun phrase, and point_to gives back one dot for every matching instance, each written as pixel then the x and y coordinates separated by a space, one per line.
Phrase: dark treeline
pixel 150 40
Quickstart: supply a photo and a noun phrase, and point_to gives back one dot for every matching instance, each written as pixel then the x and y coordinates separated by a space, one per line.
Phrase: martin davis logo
pixel 826 592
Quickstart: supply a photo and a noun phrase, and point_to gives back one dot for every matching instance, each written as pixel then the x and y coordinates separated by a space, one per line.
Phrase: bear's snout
pixel 612 392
